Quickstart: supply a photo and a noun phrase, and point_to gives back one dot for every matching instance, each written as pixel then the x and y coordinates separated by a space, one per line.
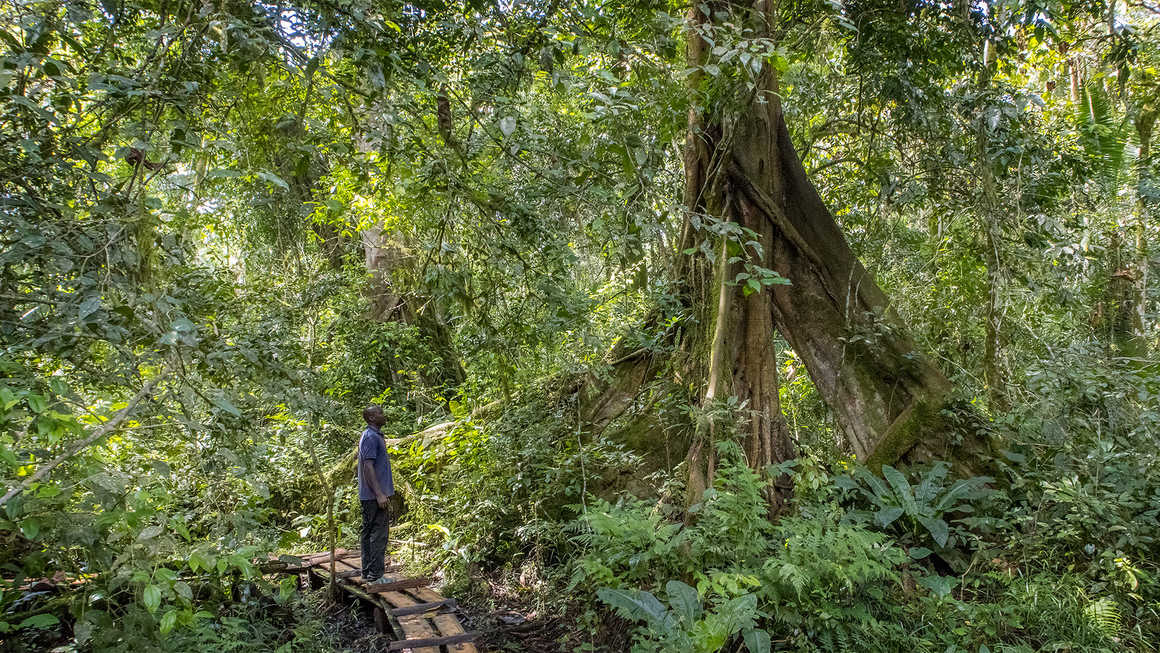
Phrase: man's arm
pixel 368 470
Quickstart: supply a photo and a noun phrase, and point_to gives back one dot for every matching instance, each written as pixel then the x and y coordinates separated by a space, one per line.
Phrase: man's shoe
pixel 381 580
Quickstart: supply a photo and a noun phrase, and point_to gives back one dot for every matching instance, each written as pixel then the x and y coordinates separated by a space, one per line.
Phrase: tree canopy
pixel 701 326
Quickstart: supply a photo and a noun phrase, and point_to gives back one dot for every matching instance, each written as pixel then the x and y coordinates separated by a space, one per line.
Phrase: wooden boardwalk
pixel 417 617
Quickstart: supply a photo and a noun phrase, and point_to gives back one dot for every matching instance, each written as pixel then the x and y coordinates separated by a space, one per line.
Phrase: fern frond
pixel 1104 615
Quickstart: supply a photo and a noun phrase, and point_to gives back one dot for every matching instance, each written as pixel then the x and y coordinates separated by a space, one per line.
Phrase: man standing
pixel 375 485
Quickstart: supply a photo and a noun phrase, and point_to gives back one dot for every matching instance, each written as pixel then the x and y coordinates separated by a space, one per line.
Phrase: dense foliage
pixel 225 227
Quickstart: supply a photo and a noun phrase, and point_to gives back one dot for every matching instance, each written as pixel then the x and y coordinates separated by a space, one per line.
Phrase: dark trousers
pixel 373 539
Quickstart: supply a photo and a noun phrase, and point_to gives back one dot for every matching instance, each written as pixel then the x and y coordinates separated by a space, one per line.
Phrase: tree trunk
pixel 994 377
pixel 742 360
pixel 742 169
pixel 384 260
pixel 885 394
pixel 1145 122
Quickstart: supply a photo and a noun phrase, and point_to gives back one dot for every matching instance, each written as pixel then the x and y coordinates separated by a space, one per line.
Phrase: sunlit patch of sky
pixel 299 28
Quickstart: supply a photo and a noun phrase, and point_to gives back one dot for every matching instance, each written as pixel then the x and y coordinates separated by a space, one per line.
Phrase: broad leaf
pixel 887 516
pixel 938 529
pixel 757 641
pixel 152 597
pixel 637 605
pixel 45 620
pixel 902 489
pixel 684 600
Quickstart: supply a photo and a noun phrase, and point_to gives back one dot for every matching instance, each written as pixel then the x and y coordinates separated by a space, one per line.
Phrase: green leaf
pixel 757 641
pixel 226 405
pixel 963 489
pixel 938 585
pixel 274 179
pixel 182 589
pixel 879 493
pixel 507 125
pixel 30 528
pixel 902 489
pixel 919 552
pixel 636 605
pixel 197 560
pixel 938 529
pixel 168 622
pixel 150 532
pixel 91 304
pixel 45 620
pixel 887 516
pixel 1017 458
pixel 845 483
pixel 40 622
pixel 152 597
pixel 684 600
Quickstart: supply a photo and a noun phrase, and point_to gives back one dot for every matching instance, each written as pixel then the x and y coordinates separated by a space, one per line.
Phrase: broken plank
pixel 399 584
pixel 420 608
pixel 416 644
pixel 371 598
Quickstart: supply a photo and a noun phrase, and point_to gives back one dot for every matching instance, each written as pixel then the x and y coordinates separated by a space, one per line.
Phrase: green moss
pixel 921 417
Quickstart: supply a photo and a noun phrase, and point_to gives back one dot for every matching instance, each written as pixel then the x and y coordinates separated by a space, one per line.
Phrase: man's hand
pixel 382 499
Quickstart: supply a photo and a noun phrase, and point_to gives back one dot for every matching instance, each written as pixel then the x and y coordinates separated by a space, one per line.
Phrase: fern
pixel 1102 137
pixel 1104 616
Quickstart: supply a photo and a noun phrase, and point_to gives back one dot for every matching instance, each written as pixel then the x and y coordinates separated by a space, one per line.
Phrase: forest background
pixel 637 380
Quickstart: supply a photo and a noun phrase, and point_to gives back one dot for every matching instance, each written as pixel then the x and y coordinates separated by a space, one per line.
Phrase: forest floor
pixel 506 624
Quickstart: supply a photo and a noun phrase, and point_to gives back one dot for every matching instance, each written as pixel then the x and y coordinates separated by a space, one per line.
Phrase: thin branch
pixel 105 429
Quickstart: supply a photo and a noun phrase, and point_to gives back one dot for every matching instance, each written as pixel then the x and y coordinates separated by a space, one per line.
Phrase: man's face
pixel 376 418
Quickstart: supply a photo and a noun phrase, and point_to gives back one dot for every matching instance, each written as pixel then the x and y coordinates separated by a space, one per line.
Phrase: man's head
pixel 373 415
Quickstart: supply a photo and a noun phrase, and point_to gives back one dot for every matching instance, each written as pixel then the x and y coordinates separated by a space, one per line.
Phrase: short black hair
pixel 370 411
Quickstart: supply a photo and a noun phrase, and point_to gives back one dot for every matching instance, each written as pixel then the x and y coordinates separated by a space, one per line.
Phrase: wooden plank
pixel 387 571
pixel 449 625
pixel 418 633
pixel 399 584
pixel 339 554
pixel 420 608
pixel 348 563
pixel 419 645
pixel 425 594
pixel 397 599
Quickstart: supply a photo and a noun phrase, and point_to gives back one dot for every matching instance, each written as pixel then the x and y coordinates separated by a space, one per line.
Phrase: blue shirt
pixel 372 447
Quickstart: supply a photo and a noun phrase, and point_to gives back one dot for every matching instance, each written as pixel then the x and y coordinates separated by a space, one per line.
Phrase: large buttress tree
pixel 741 169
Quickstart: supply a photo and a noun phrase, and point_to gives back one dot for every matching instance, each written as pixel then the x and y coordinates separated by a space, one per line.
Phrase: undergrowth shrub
pixel 833 576
pixel 496 493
